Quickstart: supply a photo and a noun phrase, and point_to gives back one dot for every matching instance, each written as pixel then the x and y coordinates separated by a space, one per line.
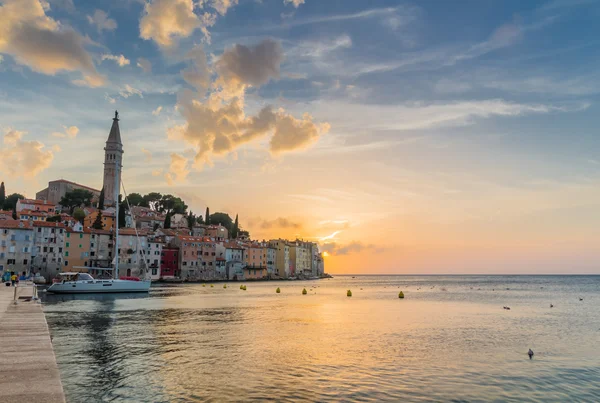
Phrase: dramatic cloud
pixel 198 73
pixel 242 66
pixel 41 43
pixel 128 91
pixel 295 3
pixel 120 59
pixel 353 247
pixel 144 64
pixel 164 20
pixel 280 223
pixel 23 158
pixel 178 169
pixel 157 111
pixel 216 124
pixel 101 21
pixel 223 5
pixel 70 132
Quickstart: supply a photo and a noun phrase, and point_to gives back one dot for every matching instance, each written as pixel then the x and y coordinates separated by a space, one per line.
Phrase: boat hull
pixel 99 286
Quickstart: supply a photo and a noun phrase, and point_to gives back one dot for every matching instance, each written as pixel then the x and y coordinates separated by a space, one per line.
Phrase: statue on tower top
pixel 116 115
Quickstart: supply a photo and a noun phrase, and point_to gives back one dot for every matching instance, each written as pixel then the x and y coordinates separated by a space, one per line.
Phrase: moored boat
pixel 76 283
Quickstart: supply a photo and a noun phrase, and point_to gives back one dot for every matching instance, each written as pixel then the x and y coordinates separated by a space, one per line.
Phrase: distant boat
pixel 80 283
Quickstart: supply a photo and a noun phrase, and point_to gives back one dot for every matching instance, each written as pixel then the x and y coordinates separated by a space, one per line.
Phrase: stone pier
pixel 28 370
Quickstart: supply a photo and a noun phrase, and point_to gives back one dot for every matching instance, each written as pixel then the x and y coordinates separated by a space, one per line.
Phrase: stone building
pixel 16 246
pixel 113 163
pixel 48 248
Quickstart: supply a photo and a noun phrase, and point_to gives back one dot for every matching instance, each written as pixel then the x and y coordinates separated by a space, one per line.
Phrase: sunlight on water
pixel 449 340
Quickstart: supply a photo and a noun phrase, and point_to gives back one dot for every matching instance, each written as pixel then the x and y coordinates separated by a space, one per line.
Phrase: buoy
pixel 244 288
pixel 400 294
pixel 203 285
pixel 530 354
pixel 349 293
pixel 551 306
pixel 304 291
pixel 278 290
pixel 224 285
pixel 212 286
pixel 241 286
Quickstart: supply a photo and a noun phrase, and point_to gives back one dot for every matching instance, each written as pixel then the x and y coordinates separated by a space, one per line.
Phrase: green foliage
pixel 98 221
pixel 200 220
pixel 136 199
pixel 122 213
pixel 207 216
pixel 223 219
pixel 236 228
pixel 54 218
pixel 167 223
pixel 14 214
pixel 77 198
pixel 101 200
pixel 10 203
pixel 243 233
pixel 152 199
pixel 2 195
pixel 191 220
pixel 171 204
pixel 79 214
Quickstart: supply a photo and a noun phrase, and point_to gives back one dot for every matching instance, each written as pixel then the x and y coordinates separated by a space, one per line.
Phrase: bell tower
pixel 113 158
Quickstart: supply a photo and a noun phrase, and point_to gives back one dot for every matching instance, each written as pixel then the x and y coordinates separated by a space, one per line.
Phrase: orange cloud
pixel 23 158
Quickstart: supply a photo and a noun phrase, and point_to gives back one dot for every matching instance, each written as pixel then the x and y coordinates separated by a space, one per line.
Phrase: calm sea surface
pixel 449 340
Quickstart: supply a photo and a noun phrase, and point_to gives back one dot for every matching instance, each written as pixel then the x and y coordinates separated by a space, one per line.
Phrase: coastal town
pixel 70 227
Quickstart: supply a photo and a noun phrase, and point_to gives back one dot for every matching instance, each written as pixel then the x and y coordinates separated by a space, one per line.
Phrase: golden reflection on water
pixel 196 343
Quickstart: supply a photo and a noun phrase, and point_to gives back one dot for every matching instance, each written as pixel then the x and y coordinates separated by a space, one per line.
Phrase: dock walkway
pixel 28 370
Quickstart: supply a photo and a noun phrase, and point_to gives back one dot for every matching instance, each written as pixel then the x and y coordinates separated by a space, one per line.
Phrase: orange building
pixel 108 219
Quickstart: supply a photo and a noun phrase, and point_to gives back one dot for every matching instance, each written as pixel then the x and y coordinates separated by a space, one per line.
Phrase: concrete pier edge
pixel 28 369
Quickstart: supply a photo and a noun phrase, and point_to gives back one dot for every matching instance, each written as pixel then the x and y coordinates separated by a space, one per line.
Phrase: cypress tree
pixel 236 228
pixel 14 214
pixel 207 216
pixel 101 201
pixel 122 221
pixel 2 195
pixel 98 221
pixel 167 223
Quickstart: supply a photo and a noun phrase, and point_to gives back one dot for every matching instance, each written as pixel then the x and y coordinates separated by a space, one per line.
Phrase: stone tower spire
pixel 113 158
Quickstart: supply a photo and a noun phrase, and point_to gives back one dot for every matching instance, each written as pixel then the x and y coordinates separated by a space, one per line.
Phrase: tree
pixel 14 214
pixel 191 220
pixel 171 204
pixel 2 195
pixel 101 201
pixel 136 199
pixel 152 200
pixel 236 228
pixel 54 218
pixel 223 219
pixel 122 212
pixel 98 221
pixel 77 198
pixel 200 220
pixel 79 214
pixel 167 223
pixel 243 233
pixel 10 203
pixel 207 216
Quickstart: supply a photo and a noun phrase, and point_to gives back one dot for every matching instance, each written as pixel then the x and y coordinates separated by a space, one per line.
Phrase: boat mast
pixel 116 199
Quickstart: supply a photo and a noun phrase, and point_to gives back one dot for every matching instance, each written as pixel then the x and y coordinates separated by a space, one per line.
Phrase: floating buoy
pixel 241 286
pixel 400 294
pixel 530 354
pixel 212 286
pixel 203 285
pixel 224 285
pixel 348 293
pixel 304 291
pixel 278 290
pixel 244 288
pixel 551 306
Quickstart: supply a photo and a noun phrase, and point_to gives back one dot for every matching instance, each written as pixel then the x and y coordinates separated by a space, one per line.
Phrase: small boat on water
pixel 79 283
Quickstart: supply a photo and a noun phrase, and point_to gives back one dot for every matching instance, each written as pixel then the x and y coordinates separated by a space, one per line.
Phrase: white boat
pixel 80 283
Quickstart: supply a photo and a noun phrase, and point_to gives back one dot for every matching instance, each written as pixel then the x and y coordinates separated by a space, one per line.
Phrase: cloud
pixel 242 66
pixel 23 158
pixel 223 5
pixel 70 132
pixel 101 21
pixel 41 43
pixel 148 154
pixel 157 111
pixel 120 59
pixel 178 169
pixel 165 20
pixel 295 3
pixel 128 91
pixel 216 123
pixel 198 73
pixel 333 248
pixel 110 99
pixel 280 223
pixel 144 64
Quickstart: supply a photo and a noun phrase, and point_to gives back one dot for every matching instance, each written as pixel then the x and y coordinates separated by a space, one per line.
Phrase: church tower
pixel 113 158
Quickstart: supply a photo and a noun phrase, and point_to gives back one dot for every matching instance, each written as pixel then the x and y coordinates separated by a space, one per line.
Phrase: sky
pixel 415 137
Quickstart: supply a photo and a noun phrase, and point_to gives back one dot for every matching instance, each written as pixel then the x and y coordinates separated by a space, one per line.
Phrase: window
pixel 44 260
pixel 45 249
pixel 154 272
pixel 68 235
pixel 66 254
pixel 184 263
pixel 79 246
pixel 67 244
pixel 92 253
pixel 24 261
pixel 51 250
pixel 52 231
pixel 81 236
pixel 60 231
pixel 66 262
pixel 59 250
pixel 39 230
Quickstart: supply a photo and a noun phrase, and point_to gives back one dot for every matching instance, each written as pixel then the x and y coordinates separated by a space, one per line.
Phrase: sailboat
pixel 80 283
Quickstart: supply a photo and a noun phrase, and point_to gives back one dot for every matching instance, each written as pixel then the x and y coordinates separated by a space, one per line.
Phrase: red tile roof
pixel 48 224
pixel 15 224
pixel 35 201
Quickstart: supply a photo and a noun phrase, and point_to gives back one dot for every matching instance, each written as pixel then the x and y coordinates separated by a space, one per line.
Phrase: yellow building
pixel 108 220
pixel 77 249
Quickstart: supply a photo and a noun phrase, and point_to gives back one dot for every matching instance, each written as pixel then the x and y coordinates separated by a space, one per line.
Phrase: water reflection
pixel 193 343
